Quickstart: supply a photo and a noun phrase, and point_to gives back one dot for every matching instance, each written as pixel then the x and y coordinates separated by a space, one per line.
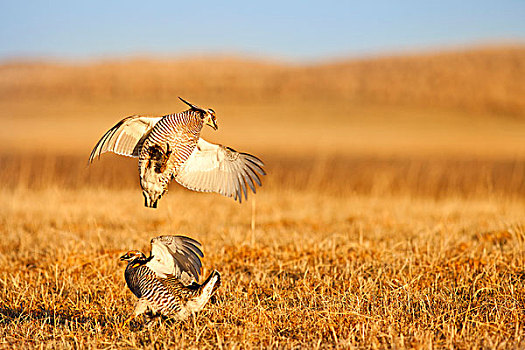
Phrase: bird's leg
pixel 152 320
pixel 140 308
pixel 149 322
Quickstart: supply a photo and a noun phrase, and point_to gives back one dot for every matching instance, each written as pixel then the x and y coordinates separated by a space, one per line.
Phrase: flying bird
pixel 169 147
pixel 166 282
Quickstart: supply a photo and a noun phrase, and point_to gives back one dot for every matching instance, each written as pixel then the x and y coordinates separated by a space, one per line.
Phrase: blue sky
pixel 290 30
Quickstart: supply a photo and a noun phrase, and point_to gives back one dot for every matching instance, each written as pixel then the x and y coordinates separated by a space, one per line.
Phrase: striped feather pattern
pixel 169 148
pixel 176 134
pixel 144 283
pixel 168 295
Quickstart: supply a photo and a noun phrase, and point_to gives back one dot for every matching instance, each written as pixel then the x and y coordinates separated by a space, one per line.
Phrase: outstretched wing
pixel 220 169
pixel 176 256
pixel 124 137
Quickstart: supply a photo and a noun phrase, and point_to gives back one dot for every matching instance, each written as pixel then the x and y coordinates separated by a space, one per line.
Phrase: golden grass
pixel 420 177
pixel 318 270
pixel 380 225
pixel 346 252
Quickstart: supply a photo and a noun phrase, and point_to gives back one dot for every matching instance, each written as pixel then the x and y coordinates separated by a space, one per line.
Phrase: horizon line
pixel 261 57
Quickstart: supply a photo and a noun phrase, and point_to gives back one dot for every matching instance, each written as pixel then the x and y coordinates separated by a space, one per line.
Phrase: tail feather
pixel 215 278
pixel 217 284
pixel 204 291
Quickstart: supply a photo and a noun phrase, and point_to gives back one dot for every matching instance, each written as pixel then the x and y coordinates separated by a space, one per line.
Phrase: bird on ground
pixel 169 147
pixel 166 282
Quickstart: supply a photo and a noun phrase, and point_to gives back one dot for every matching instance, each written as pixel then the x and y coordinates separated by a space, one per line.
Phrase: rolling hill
pixel 481 80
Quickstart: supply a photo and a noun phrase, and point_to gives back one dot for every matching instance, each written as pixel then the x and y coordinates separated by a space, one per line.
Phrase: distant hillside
pixel 488 80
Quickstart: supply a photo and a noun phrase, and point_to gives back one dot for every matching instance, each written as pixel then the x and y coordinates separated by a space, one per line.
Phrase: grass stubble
pixel 379 225
pixel 321 268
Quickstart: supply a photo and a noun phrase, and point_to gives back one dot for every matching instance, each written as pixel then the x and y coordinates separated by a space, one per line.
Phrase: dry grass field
pixel 392 220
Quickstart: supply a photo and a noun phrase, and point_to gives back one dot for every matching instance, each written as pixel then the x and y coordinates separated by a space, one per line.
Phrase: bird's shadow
pixel 62 317
pixel 52 317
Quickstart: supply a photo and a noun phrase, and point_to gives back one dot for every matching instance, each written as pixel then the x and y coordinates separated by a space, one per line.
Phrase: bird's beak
pixel 123 257
pixel 212 123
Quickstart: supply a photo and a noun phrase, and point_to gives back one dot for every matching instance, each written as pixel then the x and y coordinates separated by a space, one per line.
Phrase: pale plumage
pixel 170 147
pixel 165 283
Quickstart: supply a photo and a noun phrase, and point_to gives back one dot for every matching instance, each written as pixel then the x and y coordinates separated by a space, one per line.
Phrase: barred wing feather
pixel 220 169
pixel 125 137
pixel 176 256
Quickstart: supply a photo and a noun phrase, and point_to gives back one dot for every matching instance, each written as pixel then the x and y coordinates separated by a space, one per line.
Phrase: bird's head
pixel 132 255
pixel 207 115
pixel 210 119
